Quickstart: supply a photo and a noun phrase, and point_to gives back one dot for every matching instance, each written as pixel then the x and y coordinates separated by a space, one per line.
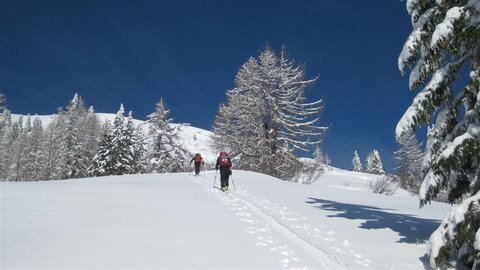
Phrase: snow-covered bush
pixel 384 185
pixel 309 172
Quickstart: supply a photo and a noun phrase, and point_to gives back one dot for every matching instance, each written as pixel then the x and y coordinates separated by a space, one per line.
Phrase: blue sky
pixel 188 52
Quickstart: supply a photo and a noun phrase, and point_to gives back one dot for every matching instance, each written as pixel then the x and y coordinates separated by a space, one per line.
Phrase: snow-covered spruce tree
pixel 116 154
pixel 92 131
pixel 266 116
pixel 139 151
pixel 53 144
pixel 374 163
pixel 25 154
pixel 320 157
pixel 5 142
pixel 74 162
pixel 357 164
pixel 444 44
pixel 409 159
pixel 33 166
pixel 121 152
pixel 103 161
pixel 134 142
pixel 165 154
pixel 17 156
pixel 71 141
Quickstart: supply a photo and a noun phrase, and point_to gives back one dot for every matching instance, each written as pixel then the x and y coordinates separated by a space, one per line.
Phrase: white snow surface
pixel 165 221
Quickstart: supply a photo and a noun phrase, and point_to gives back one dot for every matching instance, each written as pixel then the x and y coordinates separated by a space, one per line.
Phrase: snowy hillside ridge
pixel 193 139
pixel 152 221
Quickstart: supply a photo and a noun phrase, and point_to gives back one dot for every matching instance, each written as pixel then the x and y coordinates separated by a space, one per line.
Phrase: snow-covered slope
pixel 160 221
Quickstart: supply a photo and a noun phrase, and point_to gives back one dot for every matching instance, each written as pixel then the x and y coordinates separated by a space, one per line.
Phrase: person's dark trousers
pixel 197 168
pixel 224 174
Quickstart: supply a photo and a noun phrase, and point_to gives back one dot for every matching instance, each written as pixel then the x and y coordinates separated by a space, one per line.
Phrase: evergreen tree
pixel 165 155
pixel 92 134
pixel 357 164
pixel 73 161
pixel 374 163
pixel 321 159
pixel 35 159
pixel 139 150
pixel 134 143
pixel 17 151
pixel 116 152
pixel 443 45
pixel 103 161
pixel 319 156
pixel 327 160
pixel 121 151
pixel 53 144
pixel 267 118
pixel 70 141
pixel 409 159
pixel 6 141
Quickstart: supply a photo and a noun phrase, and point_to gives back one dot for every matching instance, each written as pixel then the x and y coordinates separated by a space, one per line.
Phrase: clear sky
pixel 188 52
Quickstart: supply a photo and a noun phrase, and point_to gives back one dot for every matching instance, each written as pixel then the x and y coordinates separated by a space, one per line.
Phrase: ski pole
pixel 214 181
pixel 233 182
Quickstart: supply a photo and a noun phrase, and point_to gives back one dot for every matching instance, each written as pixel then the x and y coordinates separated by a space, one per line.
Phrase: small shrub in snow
pixel 346 183
pixel 308 173
pixel 384 185
pixel 408 183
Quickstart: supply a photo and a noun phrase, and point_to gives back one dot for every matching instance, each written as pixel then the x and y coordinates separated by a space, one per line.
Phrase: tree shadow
pixel 410 228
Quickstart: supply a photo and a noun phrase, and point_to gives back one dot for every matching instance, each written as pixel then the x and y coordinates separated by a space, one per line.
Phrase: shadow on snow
pixel 411 229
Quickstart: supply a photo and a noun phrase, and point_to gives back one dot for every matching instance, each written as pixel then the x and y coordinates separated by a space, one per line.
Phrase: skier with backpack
pixel 225 165
pixel 198 161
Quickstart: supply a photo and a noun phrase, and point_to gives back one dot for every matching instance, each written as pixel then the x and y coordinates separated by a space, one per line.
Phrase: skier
pixel 198 161
pixel 223 161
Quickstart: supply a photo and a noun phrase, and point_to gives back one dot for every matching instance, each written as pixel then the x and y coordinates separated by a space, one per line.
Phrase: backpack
pixel 224 161
pixel 198 158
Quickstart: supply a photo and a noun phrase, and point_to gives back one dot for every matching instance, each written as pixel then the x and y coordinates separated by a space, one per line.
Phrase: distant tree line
pixel 76 144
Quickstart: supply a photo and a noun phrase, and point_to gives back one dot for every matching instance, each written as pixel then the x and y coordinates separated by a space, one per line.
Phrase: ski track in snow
pixel 261 216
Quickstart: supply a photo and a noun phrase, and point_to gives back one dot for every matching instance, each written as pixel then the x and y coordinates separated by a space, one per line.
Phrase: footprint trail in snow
pixel 265 219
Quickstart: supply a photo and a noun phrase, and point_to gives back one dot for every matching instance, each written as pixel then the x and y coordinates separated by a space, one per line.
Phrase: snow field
pixel 164 221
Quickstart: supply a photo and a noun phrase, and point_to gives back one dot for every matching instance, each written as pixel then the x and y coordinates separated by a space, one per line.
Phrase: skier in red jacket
pixel 198 161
